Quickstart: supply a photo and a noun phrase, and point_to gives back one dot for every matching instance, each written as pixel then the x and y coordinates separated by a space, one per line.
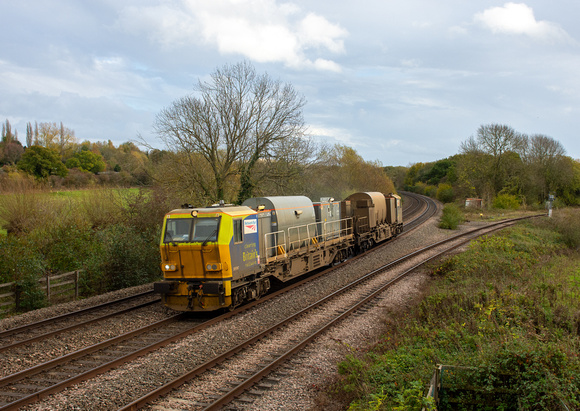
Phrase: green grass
pixel 80 194
pixel 508 306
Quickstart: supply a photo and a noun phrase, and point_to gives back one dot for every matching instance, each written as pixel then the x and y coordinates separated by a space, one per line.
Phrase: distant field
pixel 70 195
pixel 83 193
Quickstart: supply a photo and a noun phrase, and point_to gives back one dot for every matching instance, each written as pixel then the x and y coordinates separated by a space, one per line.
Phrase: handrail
pixel 305 237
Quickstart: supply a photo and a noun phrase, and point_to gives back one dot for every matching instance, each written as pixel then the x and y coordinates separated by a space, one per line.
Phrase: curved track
pixel 218 378
pixel 38 382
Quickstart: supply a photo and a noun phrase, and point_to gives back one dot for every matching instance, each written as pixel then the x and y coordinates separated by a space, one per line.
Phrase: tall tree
pixel 341 171
pixel 7 135
pixel 36 141
pixel 57 137
pixel 233 123
pixel 492 146
pixel 548 169
pixel 42 162
pixel 29 135
pixel 48 135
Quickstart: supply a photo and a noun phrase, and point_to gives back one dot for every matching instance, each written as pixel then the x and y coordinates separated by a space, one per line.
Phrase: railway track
pixel 25 388
pixel 419 210
pixel 39 381
pixel 40 330
pixel 412 203
pixel 221 379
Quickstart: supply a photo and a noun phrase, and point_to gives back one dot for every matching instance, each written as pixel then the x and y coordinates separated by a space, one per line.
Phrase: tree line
pixel 498 164
pixel 52 156
pixel 242 134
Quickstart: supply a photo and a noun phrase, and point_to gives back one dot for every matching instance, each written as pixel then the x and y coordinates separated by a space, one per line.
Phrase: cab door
pixel 244 246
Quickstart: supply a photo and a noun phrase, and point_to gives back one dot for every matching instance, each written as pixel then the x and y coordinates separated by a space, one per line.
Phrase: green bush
pixel 451 218
pixel 19 258
pixel 431 191
pixel 445 193
pixel 506 202
pixel 30 295
pixel 121 257
pixel 133 257
pixel 112 235
pixel 20 262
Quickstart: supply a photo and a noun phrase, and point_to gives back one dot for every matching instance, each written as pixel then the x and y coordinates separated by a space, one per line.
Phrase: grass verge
pixel 508 306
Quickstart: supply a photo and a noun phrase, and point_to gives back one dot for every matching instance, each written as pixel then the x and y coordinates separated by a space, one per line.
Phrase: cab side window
pixel 238 236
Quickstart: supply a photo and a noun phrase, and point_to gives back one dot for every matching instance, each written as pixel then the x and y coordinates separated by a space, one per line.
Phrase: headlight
pixel 169 267
pixel 213 267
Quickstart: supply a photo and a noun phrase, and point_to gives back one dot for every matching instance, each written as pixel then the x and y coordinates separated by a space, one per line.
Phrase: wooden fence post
pixel 17 291
pixel 47 288
pixel 77 284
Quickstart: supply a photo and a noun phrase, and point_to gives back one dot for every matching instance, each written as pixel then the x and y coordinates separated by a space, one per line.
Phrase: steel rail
pixel 105 367
pixel 79 325
pixel 220 358
pixel 266 370
pixel 12 331
pixel 428 210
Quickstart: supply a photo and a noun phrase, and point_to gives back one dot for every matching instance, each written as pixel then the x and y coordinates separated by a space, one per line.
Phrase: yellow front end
pixel 195 260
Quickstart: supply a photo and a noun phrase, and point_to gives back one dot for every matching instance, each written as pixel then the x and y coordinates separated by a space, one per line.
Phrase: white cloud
pixel 334 135
pixel 518 18
pixel 89 78
pixel 261 30
pixel 316 31
pixel 328 65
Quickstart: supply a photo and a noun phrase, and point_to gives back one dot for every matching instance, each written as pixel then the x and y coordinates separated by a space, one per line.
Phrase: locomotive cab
pixel 206 253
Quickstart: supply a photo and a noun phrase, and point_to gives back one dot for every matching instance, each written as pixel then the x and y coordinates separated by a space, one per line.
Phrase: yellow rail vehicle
pixel 223 255
pixel 208 252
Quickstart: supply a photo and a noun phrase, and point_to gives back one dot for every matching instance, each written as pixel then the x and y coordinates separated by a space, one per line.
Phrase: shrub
pixel 567 223
pixel 431 191
pixel 20 211
pixel 101 207
pixel 144 209
pixel 64 244
pixel 20 262
pixel 445 193
pixel 77 179
pixel 30 294
pixel 451 218
pixel 124 257
pixel 506 202
pixel 18 258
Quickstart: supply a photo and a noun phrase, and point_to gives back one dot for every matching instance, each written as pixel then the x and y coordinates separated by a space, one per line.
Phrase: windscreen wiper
pixel 214 232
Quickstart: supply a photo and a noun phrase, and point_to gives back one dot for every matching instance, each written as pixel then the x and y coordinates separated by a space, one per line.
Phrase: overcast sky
pixel 399 81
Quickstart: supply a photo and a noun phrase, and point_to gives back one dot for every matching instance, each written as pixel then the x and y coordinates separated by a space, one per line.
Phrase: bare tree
pixel 29 134
pixel 548 168
pixel 493 149
pixel 59 138
pixel 36 141
pixel 233 122
pixel 7 135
